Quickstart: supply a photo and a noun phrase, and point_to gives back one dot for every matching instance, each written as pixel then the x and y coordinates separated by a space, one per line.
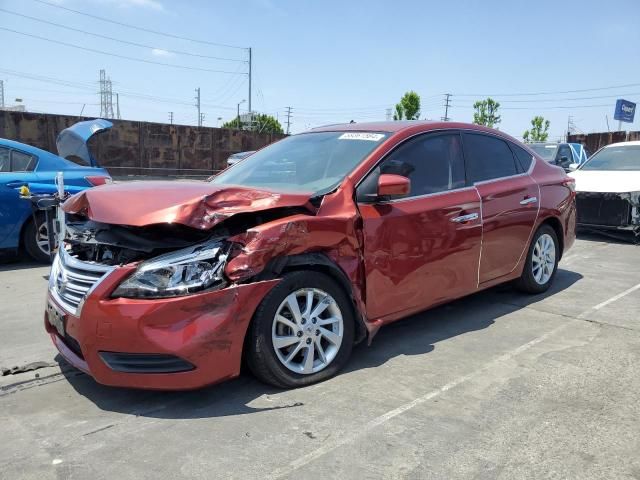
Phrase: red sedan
pixel 292 256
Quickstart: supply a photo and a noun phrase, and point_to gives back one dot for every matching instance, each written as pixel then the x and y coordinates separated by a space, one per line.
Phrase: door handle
pixel 465 218
pixel 529 200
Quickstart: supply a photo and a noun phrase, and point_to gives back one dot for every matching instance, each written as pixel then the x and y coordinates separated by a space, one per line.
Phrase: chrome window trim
pixel 426 195
pixel 446 130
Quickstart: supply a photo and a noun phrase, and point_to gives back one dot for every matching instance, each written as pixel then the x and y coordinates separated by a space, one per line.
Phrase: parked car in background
pixel 169 285
pixel 565 155
pixel 22 164
pixel 236 157
pixel 608 188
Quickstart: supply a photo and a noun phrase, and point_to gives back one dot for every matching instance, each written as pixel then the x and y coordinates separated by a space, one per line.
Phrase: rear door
pixel 510 201
pixel 16 169
pixel 424 248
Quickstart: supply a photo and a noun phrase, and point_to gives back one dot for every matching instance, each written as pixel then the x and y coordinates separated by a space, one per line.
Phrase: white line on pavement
pixel 338 442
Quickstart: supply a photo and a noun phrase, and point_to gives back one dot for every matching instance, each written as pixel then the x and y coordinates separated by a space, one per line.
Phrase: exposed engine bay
pixel 108 244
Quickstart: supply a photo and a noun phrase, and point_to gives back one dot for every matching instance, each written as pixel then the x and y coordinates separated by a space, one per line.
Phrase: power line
pixel 117 55
pixel 544 93
pixel 539 108
pixel 124 93
pixel 135 27
pixel 126 42
pixel 538 100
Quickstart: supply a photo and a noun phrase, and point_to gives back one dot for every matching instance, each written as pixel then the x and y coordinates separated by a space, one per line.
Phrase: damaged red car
pixel 290 257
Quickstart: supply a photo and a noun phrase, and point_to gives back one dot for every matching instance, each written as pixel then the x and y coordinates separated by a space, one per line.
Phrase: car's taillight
pixel 96 180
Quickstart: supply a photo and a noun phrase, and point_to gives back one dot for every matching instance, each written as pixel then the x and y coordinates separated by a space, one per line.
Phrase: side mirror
pixel 390 185
pixel 564 160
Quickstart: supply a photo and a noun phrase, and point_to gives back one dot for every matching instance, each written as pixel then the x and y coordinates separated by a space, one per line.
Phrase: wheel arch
pixel 554 222
pixel 317 262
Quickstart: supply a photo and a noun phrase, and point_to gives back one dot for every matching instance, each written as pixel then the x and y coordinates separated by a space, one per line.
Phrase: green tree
pixel 486 113
pixel 539 130
pixel 262 123
pixel 408 108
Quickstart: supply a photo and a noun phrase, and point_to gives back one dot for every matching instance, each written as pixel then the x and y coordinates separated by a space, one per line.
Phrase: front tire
pixel 36 239
pixel 302 332
pixel 542 262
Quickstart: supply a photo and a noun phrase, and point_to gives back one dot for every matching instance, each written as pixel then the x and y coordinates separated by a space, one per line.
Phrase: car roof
pixel 26 148
pixel 635 143
pixel 398 126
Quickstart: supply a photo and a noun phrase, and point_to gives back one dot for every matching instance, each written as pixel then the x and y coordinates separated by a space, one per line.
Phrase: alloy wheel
pixel 42 238
pixel 307 330
pixel 543 259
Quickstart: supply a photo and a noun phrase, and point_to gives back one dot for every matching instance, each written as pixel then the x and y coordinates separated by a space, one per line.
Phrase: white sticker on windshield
pixel 372 137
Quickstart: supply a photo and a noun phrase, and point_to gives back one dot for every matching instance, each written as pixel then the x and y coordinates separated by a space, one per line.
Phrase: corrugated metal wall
pixel 595 141
pixel 140 148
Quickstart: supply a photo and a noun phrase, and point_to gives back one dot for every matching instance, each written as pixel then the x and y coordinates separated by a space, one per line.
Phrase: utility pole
pixel 102 93
pixel 170 118
pixel 197 97
pixel 388 114
pixel 250 65
pixel 447 104
pixel 288 119
pixel 118 106
pixel 1 93
pixel 201 119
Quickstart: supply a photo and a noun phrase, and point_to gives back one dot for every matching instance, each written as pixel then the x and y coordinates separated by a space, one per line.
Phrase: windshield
pixel 310 162
pixel 547 152
pixel 615 158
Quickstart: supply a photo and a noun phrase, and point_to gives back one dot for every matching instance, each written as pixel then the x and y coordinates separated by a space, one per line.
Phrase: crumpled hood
pixel 606 181
pixel 195 204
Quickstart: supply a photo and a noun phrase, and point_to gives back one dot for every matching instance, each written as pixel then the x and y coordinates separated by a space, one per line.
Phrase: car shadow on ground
pixel 415 335
pixel 608 236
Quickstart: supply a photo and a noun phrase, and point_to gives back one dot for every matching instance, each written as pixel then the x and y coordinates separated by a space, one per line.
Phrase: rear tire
pixel 314 338
pixel 34 235
pixel 542 262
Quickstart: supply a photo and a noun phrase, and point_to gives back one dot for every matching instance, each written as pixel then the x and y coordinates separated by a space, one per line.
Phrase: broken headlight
pixel 174 274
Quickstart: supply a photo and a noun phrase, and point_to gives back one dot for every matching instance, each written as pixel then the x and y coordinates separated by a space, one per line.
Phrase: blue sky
pixel 331 61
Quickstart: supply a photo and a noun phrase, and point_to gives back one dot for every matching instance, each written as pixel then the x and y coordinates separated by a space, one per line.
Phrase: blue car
pixel 22 164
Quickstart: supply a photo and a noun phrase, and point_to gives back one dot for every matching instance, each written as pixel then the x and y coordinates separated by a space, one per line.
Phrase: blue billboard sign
pixel 625 111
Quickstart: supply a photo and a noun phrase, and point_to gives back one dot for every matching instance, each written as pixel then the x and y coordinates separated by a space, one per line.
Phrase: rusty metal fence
pixel 145 149
pixel 595 141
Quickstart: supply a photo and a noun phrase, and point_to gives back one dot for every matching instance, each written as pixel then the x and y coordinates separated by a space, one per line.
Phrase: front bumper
pixel 613 211
pixel 205 331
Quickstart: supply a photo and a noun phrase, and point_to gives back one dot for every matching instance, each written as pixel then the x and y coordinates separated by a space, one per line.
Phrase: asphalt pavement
pixel 496 385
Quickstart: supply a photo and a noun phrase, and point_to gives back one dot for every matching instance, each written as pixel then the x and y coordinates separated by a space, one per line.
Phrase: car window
pixel 564 151
pixel 487 158
pixel 433 163
pixel 21 162
pixel 5 162
pixel 523 157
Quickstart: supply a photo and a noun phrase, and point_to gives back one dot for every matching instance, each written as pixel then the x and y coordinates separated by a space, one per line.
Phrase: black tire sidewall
pixel 29 240
pixel 262 355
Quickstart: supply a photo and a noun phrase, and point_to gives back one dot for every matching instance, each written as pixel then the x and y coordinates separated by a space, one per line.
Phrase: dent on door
pixel 416 255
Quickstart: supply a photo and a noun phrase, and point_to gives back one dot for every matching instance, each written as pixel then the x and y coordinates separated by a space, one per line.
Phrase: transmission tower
pixel 1 93
pixel 106 96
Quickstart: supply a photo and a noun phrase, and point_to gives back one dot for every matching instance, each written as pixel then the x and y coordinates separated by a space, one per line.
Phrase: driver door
pixel 422 249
